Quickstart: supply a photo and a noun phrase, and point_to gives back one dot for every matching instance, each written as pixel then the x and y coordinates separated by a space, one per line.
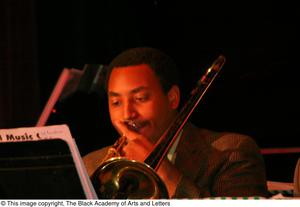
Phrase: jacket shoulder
pixel 232 141
pixel 221 141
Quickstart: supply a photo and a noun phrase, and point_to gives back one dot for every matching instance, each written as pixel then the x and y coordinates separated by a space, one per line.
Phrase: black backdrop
pixel 256 93
pixel 257 90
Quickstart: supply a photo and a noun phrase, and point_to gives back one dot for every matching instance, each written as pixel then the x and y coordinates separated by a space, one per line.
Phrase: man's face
pixel 135 94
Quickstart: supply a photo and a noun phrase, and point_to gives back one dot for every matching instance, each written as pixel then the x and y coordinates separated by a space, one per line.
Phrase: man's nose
pixel 130 111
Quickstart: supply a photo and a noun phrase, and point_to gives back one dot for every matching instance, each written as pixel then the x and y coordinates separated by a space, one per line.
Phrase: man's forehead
pixel 132 79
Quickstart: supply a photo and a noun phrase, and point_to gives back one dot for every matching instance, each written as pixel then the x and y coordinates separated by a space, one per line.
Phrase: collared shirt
pixel 172 152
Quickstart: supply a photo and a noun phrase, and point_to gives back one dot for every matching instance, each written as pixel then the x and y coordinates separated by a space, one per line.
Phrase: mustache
pixel 134 124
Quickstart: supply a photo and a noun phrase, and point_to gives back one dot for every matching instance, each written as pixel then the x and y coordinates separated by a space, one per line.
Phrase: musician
pixel 143 97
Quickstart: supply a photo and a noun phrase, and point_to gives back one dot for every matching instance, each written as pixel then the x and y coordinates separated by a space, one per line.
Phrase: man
pixel 143 97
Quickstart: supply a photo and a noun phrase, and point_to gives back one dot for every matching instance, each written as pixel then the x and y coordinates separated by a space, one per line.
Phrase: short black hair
pixel 162 64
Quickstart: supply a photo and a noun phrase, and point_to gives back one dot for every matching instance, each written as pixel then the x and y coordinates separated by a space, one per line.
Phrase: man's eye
pixel 115 103
pixel 141 98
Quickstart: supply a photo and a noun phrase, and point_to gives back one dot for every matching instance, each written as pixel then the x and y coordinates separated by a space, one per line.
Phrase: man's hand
pixel 139 147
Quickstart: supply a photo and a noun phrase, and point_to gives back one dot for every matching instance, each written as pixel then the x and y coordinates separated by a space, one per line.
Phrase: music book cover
pixel 42 163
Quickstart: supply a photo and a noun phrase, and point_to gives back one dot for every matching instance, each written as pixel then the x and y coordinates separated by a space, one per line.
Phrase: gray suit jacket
pixel 212 164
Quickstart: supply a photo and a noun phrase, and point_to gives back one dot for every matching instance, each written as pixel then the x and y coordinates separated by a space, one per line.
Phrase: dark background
pixel 255 94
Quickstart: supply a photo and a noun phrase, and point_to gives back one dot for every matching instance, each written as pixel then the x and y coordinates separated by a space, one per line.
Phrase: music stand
pixel 42 163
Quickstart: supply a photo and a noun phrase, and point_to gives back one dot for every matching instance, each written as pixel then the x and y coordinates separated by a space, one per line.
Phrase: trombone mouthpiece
pixel 132 124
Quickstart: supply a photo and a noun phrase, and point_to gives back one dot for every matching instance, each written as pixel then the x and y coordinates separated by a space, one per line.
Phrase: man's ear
pixel 174 97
